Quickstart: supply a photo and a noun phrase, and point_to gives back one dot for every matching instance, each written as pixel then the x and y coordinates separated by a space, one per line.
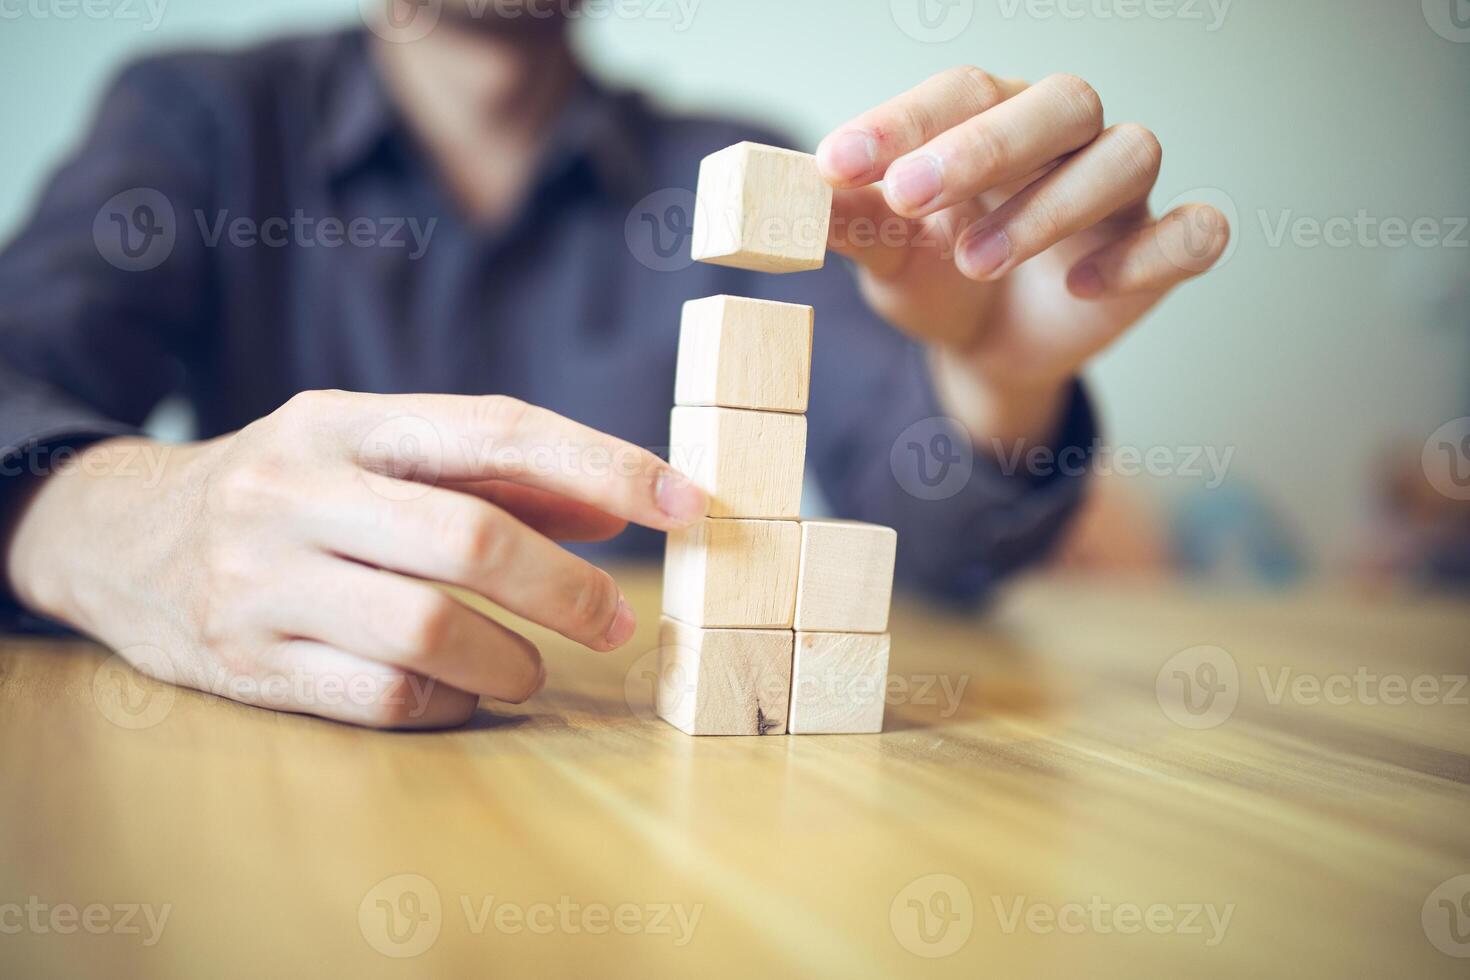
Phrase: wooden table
pixel 1031 809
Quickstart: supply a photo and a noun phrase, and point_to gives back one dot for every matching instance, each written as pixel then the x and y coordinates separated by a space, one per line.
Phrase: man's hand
pixel 294 549
pixel 1012 231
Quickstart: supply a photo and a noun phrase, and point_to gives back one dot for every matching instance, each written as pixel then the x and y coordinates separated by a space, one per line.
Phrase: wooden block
pixel 761 208
pixel 750 463
pixel 738 574
pixel 723 681
pixel 846 579
pixel 744 353
pixel 838 682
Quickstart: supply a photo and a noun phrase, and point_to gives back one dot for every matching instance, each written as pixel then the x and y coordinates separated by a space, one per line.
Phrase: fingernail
pixel 540 678
pixel 914 182
pixel 848 155
pixel 985 254
pixel 1085 281
pixel 623 625
pixel 680 499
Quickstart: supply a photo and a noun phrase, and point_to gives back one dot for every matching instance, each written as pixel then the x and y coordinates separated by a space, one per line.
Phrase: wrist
pixel 81 533
pixel 999 413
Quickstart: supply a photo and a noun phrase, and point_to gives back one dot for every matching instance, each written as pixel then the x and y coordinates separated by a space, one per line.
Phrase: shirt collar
pixel 603 129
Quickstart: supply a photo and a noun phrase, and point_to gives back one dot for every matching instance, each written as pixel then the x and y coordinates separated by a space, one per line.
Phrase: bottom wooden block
pixel 838 681
pixel 723 681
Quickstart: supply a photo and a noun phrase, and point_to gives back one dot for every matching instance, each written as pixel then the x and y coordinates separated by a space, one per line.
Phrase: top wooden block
pixel 744 353
pixel 761 208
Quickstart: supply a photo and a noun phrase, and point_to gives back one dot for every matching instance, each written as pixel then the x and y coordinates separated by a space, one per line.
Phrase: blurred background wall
pixel 1307 360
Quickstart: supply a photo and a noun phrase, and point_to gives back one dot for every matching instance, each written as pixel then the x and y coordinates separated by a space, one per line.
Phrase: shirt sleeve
pixel 100 292
pixel 883 451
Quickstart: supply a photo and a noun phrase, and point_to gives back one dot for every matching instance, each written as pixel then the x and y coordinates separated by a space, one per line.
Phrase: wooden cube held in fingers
pixel 732 573
pixel 750 463
pixel 838 683
pixel 846 580
pixel 744 353
pixel 761 208
pixel 724 681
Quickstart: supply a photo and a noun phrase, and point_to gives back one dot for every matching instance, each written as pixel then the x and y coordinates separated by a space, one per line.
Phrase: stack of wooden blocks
pixel 772 625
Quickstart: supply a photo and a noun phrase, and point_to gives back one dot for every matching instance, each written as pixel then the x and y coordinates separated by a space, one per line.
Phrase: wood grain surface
pixel 1042 802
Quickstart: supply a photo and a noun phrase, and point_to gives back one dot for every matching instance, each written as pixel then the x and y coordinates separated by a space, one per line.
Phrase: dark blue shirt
pixel 136 280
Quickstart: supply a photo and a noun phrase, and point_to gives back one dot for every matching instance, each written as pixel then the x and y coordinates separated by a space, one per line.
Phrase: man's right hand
pixel 295 547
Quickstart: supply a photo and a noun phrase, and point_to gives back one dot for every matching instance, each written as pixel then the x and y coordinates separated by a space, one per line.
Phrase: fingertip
pixel 847 157
pixel 623 626
pixel 679 499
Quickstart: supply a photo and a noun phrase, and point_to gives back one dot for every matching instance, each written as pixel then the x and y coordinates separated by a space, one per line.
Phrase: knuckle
pixel 424 628
pixel 312 404
pixel 248 487
pixel 502 415
pixel 1141 149
pixel 474 540
pixel 977 85
pixel 593 602
pixel 1081 96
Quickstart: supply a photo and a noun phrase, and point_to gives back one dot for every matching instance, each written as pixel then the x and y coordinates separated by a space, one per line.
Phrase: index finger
pixel 860 151
pixel 468 438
